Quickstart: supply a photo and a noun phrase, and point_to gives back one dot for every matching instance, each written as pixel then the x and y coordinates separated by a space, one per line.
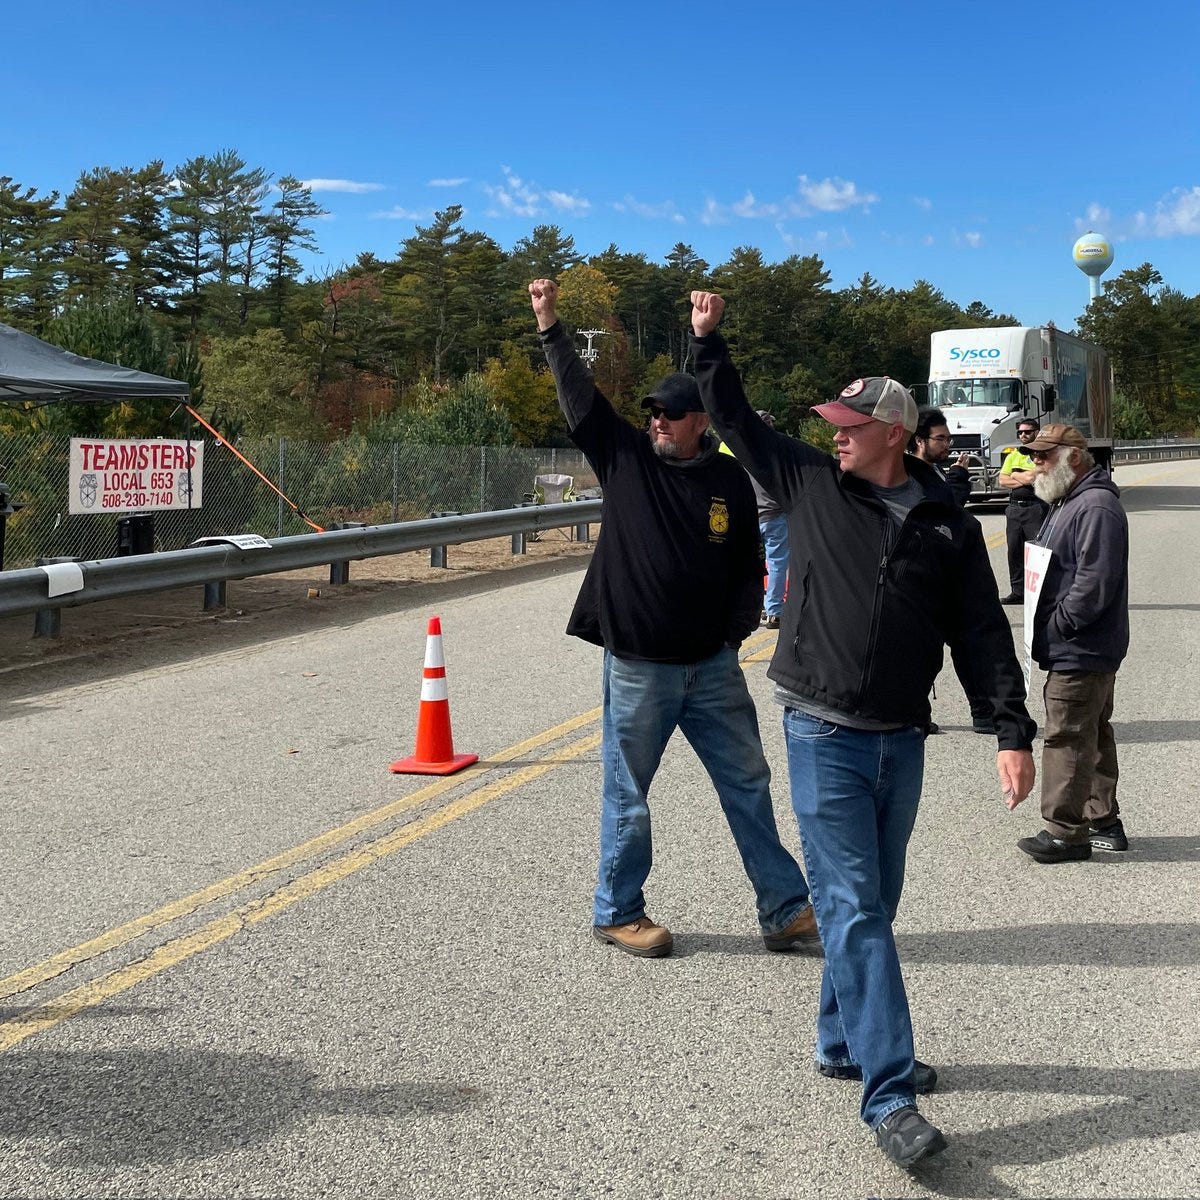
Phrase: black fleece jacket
pixel 676 572
pixel 868 610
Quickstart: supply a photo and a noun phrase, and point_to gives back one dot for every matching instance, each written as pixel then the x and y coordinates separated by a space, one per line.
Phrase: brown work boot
pixel 800 935
pixel 641 937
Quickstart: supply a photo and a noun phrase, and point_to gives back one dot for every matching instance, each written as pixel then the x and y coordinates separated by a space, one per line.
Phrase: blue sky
pixel 966 144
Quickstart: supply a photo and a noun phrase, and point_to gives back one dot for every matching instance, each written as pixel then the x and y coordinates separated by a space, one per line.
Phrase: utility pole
pixel 590 355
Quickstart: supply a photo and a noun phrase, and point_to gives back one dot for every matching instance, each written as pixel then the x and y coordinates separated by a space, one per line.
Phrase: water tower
pixel 1093 256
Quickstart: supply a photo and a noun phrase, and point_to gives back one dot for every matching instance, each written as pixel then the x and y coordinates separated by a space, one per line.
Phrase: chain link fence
pixel 351 480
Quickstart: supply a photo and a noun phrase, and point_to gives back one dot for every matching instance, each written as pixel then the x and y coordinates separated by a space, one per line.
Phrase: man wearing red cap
pixel 885 569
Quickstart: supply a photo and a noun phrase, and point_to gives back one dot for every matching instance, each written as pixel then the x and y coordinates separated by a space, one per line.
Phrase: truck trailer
pixel 988 380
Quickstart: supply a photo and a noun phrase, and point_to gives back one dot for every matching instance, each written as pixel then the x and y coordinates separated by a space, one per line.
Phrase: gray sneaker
pixel 906 1137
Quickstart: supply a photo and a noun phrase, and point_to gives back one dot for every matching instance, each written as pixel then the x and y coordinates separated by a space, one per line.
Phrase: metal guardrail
pixel 1163 451
pixel 27 590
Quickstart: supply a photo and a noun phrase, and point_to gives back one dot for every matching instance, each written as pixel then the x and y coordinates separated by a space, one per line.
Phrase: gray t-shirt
pixel 899 501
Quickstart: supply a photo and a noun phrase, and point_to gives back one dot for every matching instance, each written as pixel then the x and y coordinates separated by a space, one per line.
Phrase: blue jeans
pixel 644 703
pixel 775 545
pixel 855 794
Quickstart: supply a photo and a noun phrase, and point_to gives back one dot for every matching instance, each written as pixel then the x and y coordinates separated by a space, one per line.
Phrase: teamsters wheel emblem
pixel 183 486
pixel 87 490
pixel 718 518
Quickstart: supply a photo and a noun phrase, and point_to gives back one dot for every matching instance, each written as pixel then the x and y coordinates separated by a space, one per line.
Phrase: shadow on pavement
pixel 1152 496
pixel 131 1107
pixel 1134 1104
pixel 1156 731
pixel 1095 944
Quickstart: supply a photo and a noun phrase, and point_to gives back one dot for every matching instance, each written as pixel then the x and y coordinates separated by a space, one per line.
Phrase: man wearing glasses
pixel 674 586
pixel 1025 512
pixel 885 569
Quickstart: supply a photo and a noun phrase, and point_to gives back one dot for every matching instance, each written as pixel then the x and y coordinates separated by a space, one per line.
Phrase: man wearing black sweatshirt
pixel 674 586
pixel 886 568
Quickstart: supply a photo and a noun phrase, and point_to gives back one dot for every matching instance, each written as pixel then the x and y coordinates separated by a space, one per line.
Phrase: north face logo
pixel 944 530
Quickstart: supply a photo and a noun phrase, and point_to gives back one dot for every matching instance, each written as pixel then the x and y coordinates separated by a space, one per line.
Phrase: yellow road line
pixel 113 939
pixel 171 953
pixel 187 905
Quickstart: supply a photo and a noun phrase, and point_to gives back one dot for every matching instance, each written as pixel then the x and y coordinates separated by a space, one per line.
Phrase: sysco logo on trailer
pixel 958 354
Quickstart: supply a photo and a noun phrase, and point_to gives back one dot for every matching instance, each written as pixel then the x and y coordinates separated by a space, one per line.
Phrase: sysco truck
pixel 987 380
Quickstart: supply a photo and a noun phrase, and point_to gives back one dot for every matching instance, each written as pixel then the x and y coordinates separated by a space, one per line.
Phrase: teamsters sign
pixel 135 476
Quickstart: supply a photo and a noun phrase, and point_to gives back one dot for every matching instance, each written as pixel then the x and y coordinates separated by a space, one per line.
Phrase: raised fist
pixel 707 308
pixel 543 294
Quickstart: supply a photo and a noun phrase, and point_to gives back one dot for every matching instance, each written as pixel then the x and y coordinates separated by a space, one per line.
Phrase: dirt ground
pixel 265 605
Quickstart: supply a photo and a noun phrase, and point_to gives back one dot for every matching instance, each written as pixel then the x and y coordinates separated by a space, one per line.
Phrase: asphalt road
pixel 241 958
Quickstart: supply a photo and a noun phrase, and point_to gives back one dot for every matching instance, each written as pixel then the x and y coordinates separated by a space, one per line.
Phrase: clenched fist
pixel 707 308
pixel 544 295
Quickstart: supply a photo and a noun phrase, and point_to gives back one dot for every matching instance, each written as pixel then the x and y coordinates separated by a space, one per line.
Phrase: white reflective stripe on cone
pixel 434 656
pixel 434 689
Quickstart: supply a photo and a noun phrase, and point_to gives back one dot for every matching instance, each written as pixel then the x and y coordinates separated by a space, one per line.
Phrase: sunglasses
pixel 1040 455
pixel 1026 432
pixel 669 414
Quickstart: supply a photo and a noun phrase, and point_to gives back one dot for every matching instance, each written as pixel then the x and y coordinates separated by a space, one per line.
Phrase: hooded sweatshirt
pixel 1082 618
pixel 675 575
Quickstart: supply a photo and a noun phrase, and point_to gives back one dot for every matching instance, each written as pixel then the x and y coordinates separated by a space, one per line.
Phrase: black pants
pixel 1024 521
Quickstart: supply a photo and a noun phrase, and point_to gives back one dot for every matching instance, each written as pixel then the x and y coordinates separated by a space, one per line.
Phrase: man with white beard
pixel 1080 637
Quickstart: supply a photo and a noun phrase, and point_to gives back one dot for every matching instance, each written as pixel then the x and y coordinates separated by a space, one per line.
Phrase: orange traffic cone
pixel 434 754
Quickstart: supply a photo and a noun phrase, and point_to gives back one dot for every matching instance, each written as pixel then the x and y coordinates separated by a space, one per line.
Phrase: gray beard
pixel 1055 483
pixel 664 449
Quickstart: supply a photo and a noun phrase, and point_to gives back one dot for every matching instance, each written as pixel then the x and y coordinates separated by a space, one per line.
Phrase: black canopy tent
pixel 35 372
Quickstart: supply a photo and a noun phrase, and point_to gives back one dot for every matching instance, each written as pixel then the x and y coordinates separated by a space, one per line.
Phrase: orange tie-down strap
pixel 230 446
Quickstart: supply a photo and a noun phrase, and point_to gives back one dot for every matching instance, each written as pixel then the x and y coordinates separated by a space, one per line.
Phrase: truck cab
pixel 987 380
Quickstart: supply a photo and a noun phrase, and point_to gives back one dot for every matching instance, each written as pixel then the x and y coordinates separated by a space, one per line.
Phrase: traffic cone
pixel 434 754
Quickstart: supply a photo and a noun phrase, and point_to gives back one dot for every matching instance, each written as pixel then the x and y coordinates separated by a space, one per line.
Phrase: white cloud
pixel 517 198
pixel 924 203
pixel 666 211
pixel 748 207
pixel 512 198
pixel 1096 217
pixel 565 202
pixel 825 196
pixel 971 238
pixel 449 182
pixel 400 214
pixel 928 240
pixel 1178 215
pixel 340 185
pixel 833 195
pixel 821 239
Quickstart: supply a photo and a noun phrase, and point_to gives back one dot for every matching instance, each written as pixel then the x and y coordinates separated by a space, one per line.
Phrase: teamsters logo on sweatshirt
pixel 718 517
